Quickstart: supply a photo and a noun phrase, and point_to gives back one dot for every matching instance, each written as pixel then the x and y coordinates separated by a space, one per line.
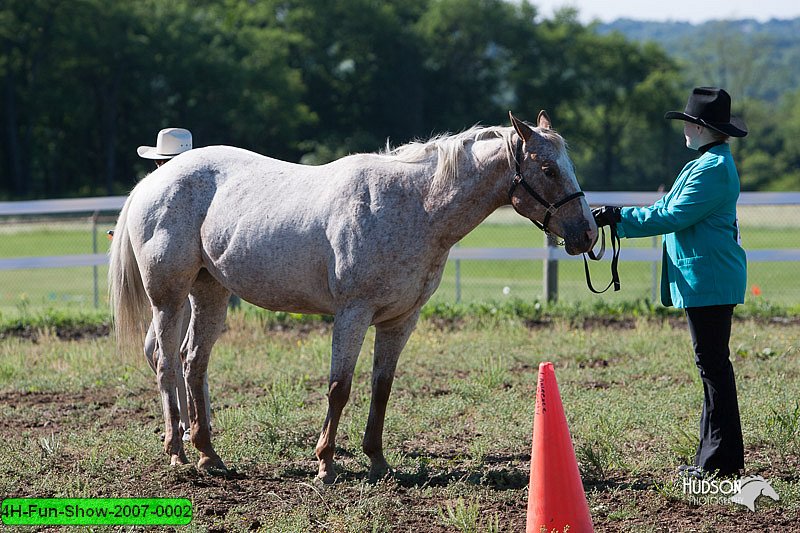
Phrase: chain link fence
pixel 58 260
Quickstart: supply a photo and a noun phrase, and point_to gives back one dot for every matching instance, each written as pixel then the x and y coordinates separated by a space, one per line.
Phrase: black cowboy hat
pixel 711 107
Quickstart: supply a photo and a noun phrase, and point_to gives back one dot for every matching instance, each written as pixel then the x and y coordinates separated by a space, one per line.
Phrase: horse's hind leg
pixel 166 324
pixel 390 339
pixel 151 353
pixel 209 305
pixel 349 327
pixel 183 401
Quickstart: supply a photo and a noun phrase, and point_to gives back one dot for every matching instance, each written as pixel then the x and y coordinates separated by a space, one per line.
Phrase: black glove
pixel 608 215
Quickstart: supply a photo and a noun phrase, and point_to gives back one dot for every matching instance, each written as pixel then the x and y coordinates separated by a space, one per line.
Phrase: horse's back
pixel 230 181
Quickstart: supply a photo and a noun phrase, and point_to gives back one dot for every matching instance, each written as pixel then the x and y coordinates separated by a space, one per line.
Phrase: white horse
pixel 364 238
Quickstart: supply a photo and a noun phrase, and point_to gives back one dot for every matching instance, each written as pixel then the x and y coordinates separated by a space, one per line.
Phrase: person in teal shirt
pixel 703 268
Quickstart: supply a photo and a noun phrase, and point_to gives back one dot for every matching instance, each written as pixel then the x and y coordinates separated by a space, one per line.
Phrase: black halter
pixel 551 208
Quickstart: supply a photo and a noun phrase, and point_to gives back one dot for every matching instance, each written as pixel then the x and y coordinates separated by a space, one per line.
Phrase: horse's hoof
pixel 327 477
pixel 178 459
pixel 219 471
pixel 382 472
pixel 213 466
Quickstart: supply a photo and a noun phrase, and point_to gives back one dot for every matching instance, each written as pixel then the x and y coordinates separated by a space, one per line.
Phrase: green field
pixel 80 420
pixel 762 228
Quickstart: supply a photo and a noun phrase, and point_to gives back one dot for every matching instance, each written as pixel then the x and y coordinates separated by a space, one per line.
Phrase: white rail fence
pixel 550 254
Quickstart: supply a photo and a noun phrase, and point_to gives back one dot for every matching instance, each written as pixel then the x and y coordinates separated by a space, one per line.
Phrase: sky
pixel 693 11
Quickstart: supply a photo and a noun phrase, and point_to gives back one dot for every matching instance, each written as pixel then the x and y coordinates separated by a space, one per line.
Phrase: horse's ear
pixel 543 121
pixel 523 130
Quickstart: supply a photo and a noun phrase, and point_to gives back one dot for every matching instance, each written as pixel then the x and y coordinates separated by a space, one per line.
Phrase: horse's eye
pixel 549 171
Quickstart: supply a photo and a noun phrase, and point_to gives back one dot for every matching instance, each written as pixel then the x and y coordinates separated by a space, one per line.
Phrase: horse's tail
pixel 129 301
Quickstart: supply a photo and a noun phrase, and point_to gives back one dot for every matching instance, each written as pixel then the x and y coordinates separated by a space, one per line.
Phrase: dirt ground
pixel 263 487
pixel 616 504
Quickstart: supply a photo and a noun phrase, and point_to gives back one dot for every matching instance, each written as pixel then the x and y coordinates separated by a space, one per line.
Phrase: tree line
pixel 84 82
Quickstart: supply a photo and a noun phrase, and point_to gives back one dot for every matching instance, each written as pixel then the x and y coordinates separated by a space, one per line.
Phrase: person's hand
pixel 608 215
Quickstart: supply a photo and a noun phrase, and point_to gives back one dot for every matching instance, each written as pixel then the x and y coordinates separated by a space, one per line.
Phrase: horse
pixel 364 238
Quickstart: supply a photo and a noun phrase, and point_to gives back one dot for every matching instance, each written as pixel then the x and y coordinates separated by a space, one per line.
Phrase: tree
pixel 26 28
pixel 86 82
pixel 475 60
pixel 615 126
pixel 790 154
pixel 361 65
pixel 770 154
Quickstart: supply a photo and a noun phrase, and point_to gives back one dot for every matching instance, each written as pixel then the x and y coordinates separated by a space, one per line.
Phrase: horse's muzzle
pixel 580 238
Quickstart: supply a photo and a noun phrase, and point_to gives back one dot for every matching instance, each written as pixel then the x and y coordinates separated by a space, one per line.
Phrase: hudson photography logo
pixel 744 491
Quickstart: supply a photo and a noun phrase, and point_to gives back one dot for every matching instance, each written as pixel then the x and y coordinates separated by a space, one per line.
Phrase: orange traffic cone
pixel 555 495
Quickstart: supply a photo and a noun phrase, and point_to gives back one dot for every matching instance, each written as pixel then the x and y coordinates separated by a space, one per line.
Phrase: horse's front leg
pixel 167 330
pixel 390 339
pixel 349 328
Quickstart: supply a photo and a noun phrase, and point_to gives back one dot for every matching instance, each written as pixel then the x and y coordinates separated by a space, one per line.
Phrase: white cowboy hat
pixel 170 142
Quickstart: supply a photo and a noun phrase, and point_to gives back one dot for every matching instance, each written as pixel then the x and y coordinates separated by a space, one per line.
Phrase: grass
pixel 83 420
pixel 67 288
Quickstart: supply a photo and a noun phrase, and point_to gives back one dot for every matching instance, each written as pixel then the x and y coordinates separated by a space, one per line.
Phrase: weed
pixel 594 460
pixel 669 490
pixel 463 516
pixel 493 373
pixel 51 446
pixel 684 446
pixel 477 450
pixel 283 396
pixel 783 428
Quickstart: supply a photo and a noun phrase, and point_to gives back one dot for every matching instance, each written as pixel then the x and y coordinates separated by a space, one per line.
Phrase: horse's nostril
pixel 591 235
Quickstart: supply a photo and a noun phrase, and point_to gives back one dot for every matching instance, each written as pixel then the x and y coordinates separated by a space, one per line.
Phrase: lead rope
pixel 616 246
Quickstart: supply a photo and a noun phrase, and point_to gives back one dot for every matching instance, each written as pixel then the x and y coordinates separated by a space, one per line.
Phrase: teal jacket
pixel 703 263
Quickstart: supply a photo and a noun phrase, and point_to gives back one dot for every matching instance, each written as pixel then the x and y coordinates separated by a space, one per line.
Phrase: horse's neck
pixel 481 186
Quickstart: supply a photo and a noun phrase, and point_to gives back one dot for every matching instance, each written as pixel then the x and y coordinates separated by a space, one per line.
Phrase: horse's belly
pixel 288 300
pixel 300 290
pixel 275 277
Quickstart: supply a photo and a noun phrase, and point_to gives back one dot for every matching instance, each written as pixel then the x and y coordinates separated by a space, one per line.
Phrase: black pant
pixel 721 446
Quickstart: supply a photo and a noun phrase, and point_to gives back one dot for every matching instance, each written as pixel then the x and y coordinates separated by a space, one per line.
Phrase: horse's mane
pixel 447 148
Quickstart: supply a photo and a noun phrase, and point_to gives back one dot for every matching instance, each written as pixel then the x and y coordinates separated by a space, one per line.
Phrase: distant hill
pixel 755 59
